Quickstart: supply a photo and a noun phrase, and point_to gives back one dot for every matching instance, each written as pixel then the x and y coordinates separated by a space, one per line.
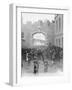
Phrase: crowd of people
pixel 52 53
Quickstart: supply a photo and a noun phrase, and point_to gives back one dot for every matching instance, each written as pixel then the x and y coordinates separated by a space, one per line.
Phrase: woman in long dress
pixel 36 67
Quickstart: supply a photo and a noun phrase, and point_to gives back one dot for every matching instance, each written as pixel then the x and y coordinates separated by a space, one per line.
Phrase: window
pixel 39 39
pixel 39 36
pixel 22 35
pixel 62 41
pixel 56 26
pixel 59 42
pixel 56 42
pixel 59 24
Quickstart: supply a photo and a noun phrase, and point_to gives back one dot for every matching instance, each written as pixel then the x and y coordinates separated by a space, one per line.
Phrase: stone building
pixel 52 31
pixel 43 28
pixel 59 30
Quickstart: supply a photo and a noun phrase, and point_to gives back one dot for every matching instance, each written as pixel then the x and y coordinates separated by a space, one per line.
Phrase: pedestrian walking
pixel 45 66
pixel 36 67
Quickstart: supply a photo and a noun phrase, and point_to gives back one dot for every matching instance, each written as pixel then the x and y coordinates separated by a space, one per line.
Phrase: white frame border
pixel 15 40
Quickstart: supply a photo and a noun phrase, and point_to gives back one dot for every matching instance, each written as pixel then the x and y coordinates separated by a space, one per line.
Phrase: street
pixel 50 67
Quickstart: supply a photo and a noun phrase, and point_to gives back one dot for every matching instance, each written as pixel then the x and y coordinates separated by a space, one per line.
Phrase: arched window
pixel 39 36
pixel 39 39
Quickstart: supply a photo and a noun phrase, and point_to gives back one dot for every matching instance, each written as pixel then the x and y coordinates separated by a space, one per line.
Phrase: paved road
pixel 51 67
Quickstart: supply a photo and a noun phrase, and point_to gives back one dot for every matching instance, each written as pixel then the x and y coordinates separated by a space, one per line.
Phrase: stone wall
pixel 30 28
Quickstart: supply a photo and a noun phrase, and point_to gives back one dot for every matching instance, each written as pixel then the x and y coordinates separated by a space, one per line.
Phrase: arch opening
pixel 39 39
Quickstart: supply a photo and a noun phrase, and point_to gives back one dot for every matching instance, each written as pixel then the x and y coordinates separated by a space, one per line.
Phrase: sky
pixel 35 17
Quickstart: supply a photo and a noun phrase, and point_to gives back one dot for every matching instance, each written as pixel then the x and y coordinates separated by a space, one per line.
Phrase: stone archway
pixel 39 39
